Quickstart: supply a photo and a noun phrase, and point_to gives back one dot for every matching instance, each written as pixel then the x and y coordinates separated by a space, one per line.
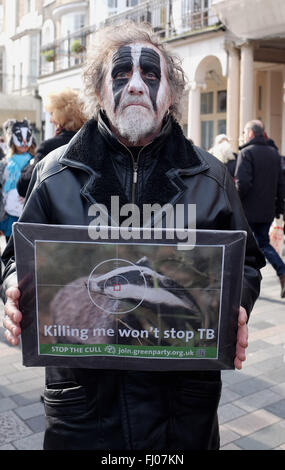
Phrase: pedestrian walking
pixel 259 182
pixel 133 87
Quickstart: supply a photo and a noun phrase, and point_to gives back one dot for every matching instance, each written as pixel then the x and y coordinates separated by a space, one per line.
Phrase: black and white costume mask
pixel 19 133
pixel 136 93
pixel 22 134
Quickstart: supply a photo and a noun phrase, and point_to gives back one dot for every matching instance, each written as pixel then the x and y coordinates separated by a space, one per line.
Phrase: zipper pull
pixel 135 175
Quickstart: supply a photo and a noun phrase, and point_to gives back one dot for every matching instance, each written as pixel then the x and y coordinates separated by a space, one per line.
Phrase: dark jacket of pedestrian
pixel 231 166
pixel 259 180
pixel 66 113
pixel 135 409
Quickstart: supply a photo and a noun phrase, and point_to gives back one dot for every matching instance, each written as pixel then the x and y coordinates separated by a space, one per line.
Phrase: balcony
pixel 171 19
pixel 65 53
pixel 263 19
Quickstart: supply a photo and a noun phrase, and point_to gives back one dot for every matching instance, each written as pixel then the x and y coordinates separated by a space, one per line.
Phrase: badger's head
pixel 140 284
pixel 124 282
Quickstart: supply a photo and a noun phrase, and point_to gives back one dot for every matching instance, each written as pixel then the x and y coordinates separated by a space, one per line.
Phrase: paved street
pixel 252 409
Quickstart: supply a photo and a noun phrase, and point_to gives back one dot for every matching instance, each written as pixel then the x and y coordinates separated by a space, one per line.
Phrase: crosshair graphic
pixel 119 280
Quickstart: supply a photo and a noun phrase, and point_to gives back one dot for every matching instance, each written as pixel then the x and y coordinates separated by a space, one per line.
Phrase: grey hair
pixel 106 42
pixel 256 126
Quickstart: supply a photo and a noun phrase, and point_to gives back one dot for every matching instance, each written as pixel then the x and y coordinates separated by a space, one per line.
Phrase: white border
pixel 127 243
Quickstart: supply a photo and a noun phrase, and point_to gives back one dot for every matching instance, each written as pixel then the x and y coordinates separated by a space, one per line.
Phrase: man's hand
pixel 12 316
pixel 242 338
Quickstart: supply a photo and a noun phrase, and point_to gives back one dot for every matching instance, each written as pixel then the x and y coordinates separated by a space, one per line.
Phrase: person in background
pixel 223 151
pixel 259 182
pixel 22 145
pixel 271 142
pixel 3 148
pixel 67 116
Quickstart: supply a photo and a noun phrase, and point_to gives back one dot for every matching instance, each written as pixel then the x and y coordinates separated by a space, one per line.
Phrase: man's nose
pixel 136 84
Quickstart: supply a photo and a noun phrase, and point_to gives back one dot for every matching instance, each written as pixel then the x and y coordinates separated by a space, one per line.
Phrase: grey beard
pixel 134 125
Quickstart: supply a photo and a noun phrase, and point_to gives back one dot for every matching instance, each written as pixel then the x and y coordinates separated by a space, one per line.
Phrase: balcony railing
pixel 66 52
pixel 170 18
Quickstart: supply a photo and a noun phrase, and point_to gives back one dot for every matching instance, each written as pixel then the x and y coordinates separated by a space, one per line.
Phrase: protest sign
pixel 122 303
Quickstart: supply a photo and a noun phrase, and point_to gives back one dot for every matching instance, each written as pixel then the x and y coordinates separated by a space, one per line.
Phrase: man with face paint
pixel 136 94
pixel 133 148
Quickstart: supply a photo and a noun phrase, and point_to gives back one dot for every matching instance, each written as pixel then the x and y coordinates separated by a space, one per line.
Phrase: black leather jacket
pixel 135 410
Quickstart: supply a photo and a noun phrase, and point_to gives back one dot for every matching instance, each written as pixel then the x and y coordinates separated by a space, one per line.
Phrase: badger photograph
pixel 128 294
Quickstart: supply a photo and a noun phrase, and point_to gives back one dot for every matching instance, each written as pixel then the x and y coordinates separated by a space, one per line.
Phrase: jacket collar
pixel 175 155
pixel 257 140
pixel 87 149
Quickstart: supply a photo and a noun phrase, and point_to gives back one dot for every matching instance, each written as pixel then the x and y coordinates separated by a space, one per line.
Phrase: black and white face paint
pixel 136 91
pixel 21 134
pixel 122 71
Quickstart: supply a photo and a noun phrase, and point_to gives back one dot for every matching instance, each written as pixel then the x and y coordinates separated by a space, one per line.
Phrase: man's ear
pixel 250 134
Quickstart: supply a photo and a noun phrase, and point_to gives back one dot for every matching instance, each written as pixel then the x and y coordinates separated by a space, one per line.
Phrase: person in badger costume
pixel 133 147
pixel 22 145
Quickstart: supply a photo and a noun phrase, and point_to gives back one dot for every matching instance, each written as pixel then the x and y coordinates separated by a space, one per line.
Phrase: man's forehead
pixel 134 51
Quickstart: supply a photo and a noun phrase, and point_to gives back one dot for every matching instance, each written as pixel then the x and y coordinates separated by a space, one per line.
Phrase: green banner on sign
pixel 163 352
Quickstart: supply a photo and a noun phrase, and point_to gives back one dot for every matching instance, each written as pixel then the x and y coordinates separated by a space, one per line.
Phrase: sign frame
pixel 28 237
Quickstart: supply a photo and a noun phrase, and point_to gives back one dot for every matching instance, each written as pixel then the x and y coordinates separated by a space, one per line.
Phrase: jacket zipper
pixel 135 170
pixel 135 180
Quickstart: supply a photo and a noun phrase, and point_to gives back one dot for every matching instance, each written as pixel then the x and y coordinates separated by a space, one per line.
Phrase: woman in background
pixel 66 114
pixel 223 151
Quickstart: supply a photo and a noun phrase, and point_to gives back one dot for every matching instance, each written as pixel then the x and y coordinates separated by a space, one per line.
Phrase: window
pixel 21 76
pixel 207 102
pixel 196 5
pixel 48 32
pixel 259 98
pixel 222 101
pixel 222 126
pixel 1 72
pixel 34 59
pixel 186 6
pixel 207 132
pixel 132 3
pixel 1 18
pixel 213 115
pixel 112 3
pixel 72 22
pixel 14 77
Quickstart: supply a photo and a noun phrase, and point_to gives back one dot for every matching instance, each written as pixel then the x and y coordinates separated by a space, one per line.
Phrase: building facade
pixel 255 45
pixel 20 27
pixel 232 52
